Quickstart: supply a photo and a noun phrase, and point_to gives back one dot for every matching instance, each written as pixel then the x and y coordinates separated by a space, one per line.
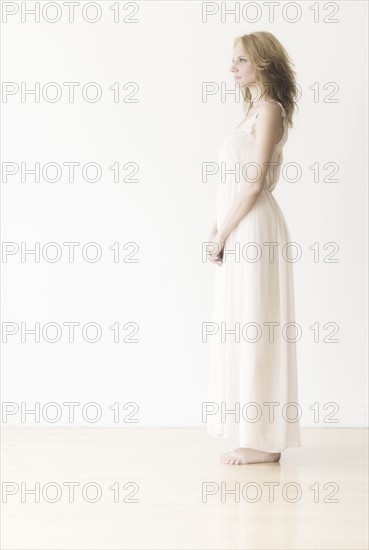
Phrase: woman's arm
pixel 214 255
pixel 268 129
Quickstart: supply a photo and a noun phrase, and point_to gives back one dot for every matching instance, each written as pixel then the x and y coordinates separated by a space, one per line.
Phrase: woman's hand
pixel 216 257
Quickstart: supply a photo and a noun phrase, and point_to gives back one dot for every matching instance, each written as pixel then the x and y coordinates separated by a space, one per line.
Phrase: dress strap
pixel 246 119
pixel 272 101
pixel 249 122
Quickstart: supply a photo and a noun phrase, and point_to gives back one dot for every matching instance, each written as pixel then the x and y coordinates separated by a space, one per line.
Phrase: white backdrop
pixel 167 132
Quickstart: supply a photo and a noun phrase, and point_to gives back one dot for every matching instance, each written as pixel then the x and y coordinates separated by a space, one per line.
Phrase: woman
pixel 253 375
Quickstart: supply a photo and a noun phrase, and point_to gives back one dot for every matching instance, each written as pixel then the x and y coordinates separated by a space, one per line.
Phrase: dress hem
pixel 257 447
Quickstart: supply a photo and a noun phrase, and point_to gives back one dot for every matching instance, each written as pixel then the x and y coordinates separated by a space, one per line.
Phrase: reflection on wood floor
pixel 165 488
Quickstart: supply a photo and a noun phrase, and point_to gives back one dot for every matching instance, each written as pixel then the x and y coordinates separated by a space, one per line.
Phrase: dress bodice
pixel 238 147
pixel 237 164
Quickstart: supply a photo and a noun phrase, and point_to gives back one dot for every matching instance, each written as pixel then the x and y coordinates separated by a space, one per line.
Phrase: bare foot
pixel 245 455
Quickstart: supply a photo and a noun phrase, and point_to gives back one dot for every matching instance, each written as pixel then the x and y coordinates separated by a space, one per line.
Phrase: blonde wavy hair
pixel 273 68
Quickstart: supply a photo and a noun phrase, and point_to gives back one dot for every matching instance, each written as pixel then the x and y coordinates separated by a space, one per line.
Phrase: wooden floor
pixel 186 499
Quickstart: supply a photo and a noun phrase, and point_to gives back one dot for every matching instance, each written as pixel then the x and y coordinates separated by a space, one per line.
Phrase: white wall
pixel 170 53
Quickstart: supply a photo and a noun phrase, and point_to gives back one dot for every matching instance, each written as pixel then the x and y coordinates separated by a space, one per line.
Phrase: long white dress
pixel 252 396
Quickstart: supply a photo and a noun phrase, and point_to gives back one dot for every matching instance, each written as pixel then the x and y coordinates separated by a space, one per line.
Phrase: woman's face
pixel 242 68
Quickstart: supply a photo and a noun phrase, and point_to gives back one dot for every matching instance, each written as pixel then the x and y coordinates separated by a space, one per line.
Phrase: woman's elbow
pixel 256 188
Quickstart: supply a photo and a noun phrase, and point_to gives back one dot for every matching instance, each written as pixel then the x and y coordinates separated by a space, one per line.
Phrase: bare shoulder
pixel 270 121
pixel 271 110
